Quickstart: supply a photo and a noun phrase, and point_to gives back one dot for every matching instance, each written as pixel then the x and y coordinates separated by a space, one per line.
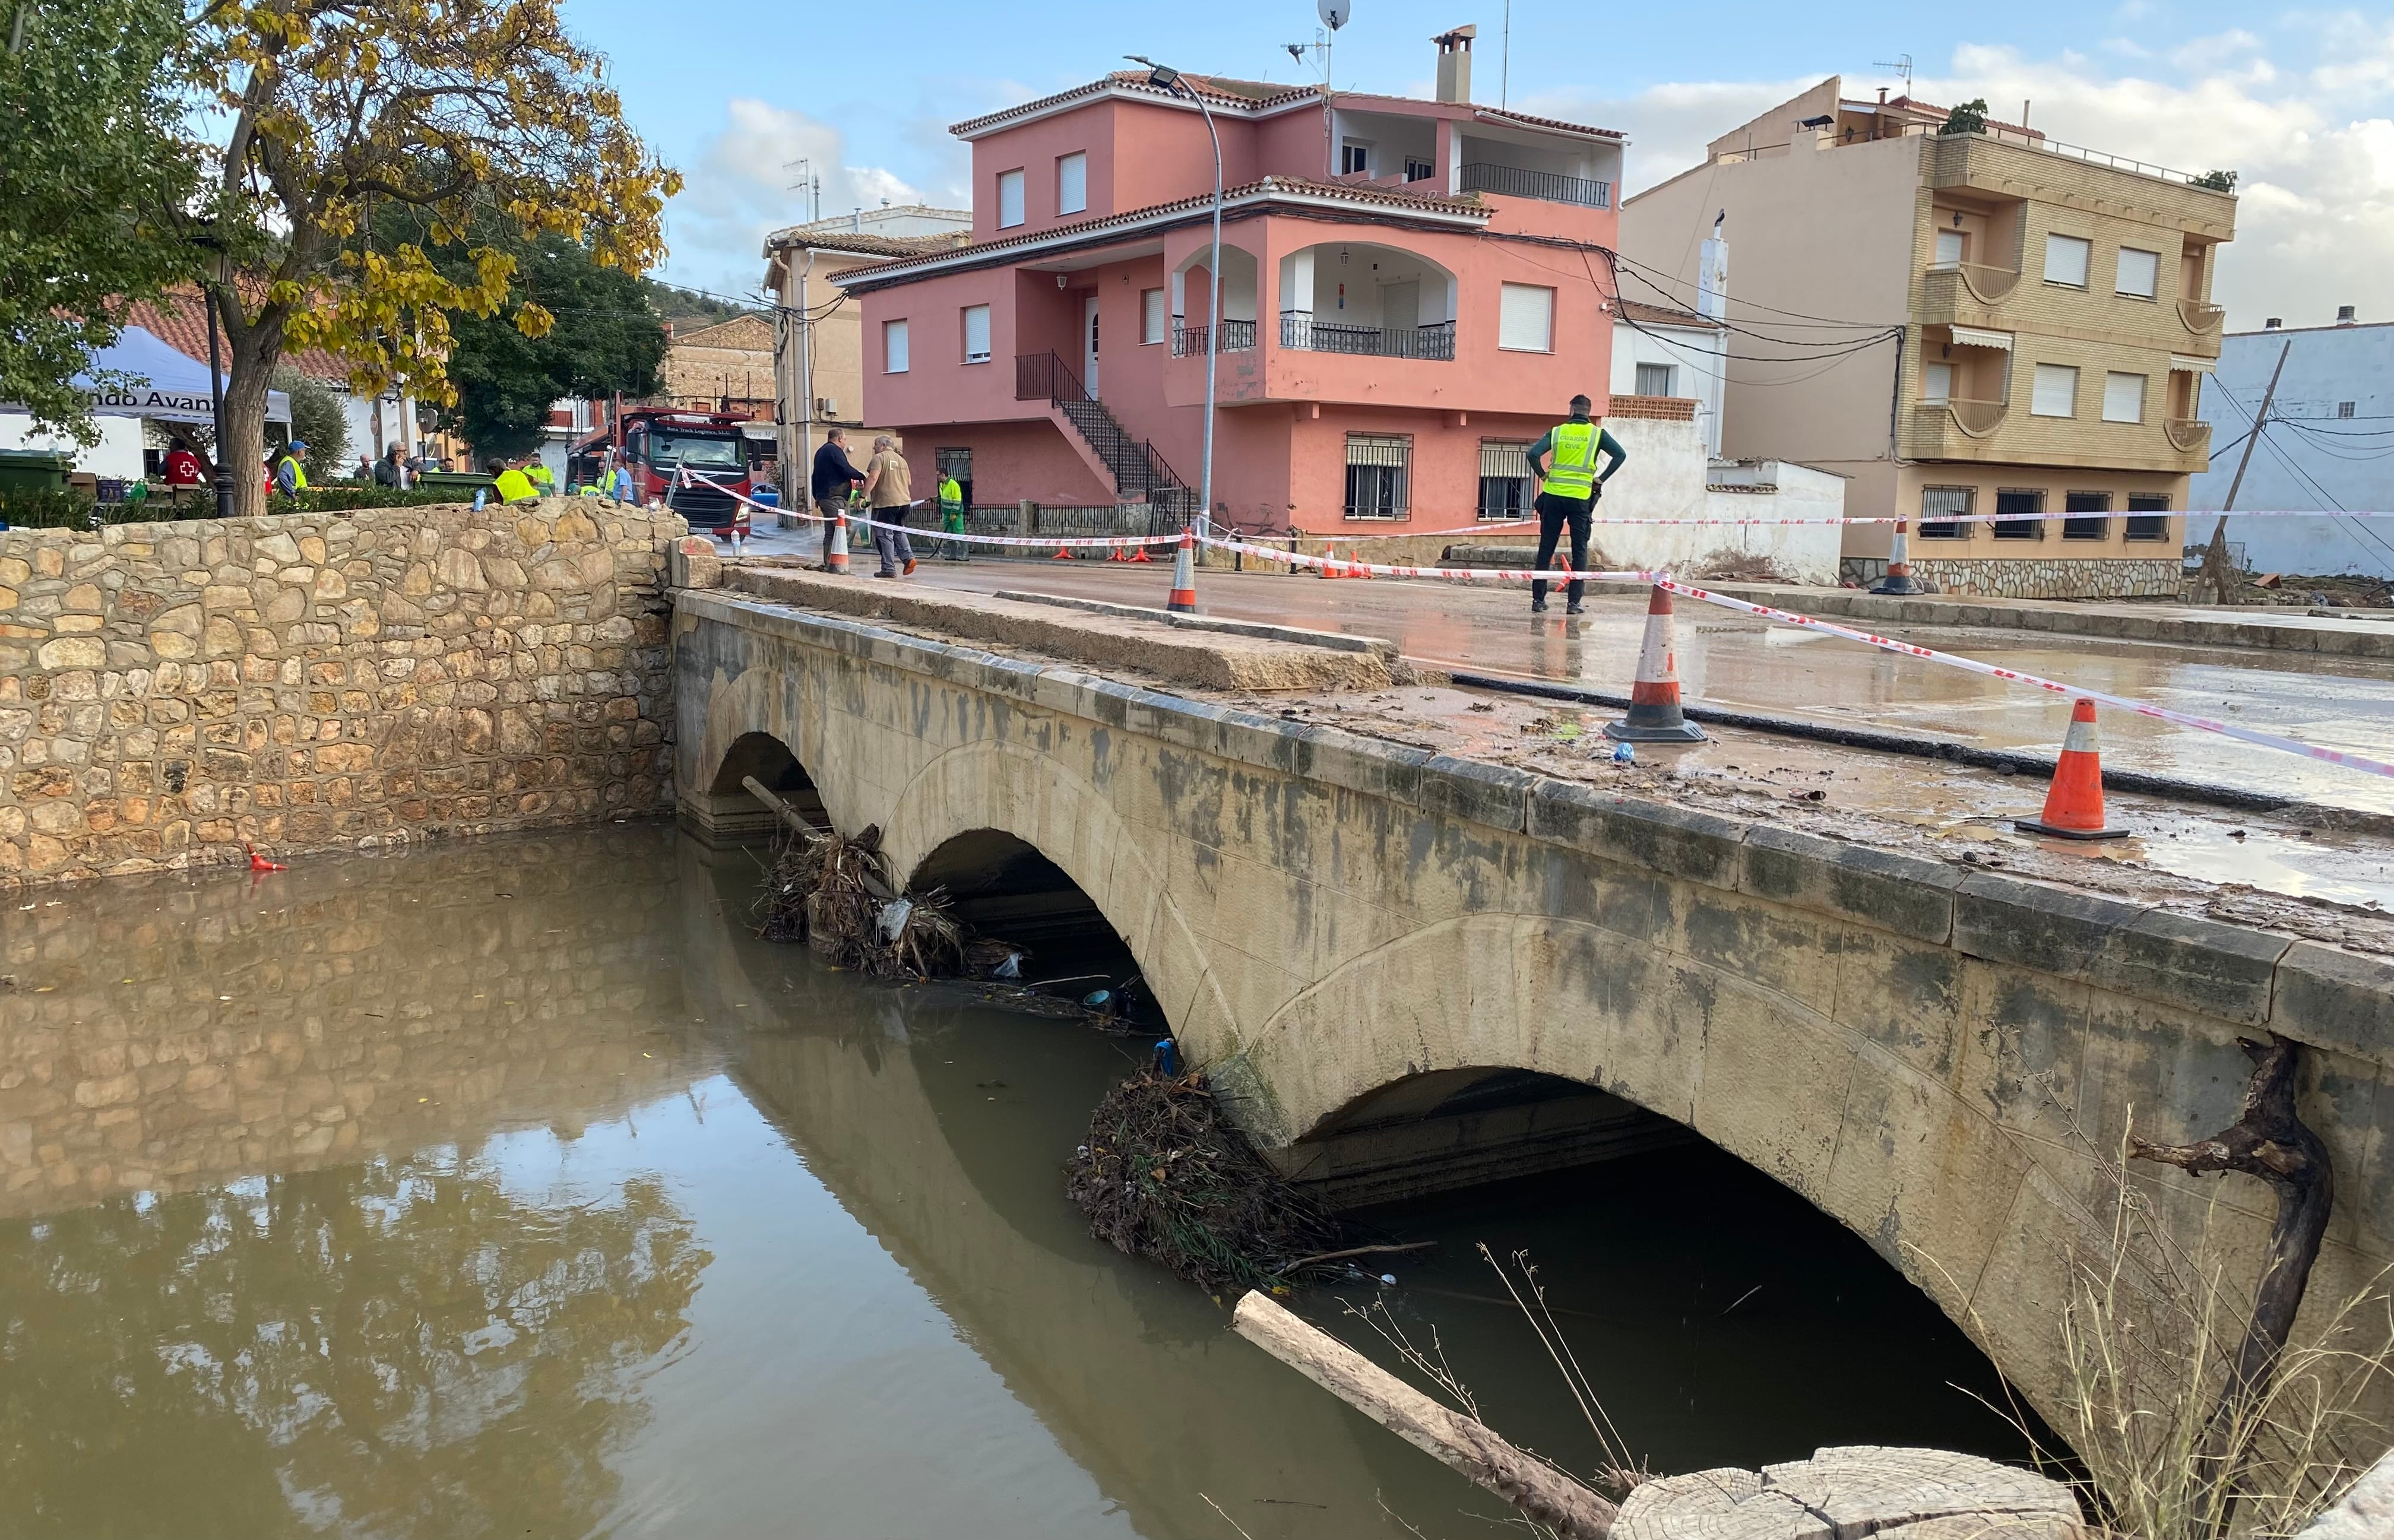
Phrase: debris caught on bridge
pixel 1167 1177
pixel 834 894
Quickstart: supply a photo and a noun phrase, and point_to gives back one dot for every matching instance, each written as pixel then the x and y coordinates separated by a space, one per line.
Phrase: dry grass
pixel 2149 1333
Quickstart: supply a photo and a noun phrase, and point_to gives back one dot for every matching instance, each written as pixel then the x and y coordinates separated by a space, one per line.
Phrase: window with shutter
pixel 1525 319
pixel 977 333
pixel 1151 317
pixel 2065 259
pixel 2139 272
pixel 2124 398
pixel 1937 382
pixel 1949 248
pixel 1072 183
pixel 1504 489
pixel 1009 199
pixel 893 346
pixel 1379 473
pixel 2055 394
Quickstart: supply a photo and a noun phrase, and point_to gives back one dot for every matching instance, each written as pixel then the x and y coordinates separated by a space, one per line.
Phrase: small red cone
pixel 1115 554
pixel 1062 555
pixel 2074 803
pixel 1329 566
pixel 259 863
pixel 1654 715
pixel 1138 553
pixel 1184 577
pixel 1356 565
pixel 1898 563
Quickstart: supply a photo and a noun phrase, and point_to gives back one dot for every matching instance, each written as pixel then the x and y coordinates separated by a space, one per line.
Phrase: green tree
pixel 93 171
pixel 1968 118
pixel 340 112
pixel 605 338
pixel 319 421
pixel 2218 182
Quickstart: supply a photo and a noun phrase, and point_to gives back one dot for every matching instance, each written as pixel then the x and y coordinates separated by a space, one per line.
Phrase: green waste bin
pixel 34 469
pixel 462 482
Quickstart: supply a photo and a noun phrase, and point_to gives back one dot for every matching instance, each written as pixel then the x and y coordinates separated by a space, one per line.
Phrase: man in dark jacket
pixel 834 475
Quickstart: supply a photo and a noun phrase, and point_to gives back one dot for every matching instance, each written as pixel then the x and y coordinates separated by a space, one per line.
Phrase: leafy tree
pixel 92 171
pixel 605 338
pixel 677 304
pixel 2218 182
pixel 1968 118
pixel 318 420
pixel 340 111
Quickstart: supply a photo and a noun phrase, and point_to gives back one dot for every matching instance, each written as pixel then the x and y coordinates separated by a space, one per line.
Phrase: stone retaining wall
pixel 318 681
pixel 2030 578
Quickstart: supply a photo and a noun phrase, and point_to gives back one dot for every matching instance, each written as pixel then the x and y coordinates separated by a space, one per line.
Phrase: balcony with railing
pixel 1954 427
pixel 2200 318
pixel 1514 181
pixel 1987 285
pixel 1303 334
pixel 2188 435
pixel 1228 336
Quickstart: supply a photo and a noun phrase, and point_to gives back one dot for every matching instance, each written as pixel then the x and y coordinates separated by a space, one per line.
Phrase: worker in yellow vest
pixel 544 479
pixel 514 486
pixel 290 475
pixel 1568 489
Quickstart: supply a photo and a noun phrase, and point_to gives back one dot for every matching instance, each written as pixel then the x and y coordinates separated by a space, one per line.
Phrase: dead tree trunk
pixel 2267 1141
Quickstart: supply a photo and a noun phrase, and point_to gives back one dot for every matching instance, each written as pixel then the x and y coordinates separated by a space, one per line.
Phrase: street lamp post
pixel 220 265
pixel 1168 78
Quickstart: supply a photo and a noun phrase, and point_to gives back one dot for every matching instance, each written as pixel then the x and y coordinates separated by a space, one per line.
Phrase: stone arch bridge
pixel 1382 956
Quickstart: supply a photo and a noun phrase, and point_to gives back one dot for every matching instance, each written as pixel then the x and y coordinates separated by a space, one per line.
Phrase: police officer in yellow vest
pixel 1568 489
pixel 514 486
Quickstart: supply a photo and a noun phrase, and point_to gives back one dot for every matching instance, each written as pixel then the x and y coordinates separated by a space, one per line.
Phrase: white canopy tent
pixel 168 386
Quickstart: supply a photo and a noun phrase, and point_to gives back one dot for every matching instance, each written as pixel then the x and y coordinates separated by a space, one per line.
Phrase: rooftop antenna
pixel 1901 64
pixel 1334 14
pixel 809 183
pixel 1505 66
pixel 1319 48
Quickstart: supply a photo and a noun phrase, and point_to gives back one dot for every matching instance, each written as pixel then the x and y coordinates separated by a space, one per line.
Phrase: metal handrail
pixel 1236 336
pixel 2187 434
pixel 2055 147
pixel 1517 182
pixel 1304 334
pixel 1138 470
pixel 2199 316
pixel 1988 286
pixel 1975 418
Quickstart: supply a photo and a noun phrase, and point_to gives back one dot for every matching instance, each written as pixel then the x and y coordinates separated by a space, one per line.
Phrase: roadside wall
pixel 317 681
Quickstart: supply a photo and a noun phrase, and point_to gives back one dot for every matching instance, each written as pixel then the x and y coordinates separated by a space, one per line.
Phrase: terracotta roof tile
pixel 180 321
pixel 1638 311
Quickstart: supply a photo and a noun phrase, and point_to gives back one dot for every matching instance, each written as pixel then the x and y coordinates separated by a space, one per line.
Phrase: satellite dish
pixel 1334 12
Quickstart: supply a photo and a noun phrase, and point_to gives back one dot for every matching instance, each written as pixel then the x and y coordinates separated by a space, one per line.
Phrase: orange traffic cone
pixel 2073 805
pixel 1138 553
pixel 1356 565
pixel 1654 715
pixel 1329 566
pixel 1899 564
pixel 836 545
pixel 1184 577
pixel 259 863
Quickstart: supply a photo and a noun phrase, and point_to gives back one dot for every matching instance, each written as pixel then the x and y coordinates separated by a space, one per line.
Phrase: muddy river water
pixel 513 1188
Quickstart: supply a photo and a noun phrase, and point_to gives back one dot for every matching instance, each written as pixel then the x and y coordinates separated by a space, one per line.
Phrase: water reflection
pixel 513 1187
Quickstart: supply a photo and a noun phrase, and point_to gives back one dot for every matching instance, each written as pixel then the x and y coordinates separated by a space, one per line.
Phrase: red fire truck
pixel 693 461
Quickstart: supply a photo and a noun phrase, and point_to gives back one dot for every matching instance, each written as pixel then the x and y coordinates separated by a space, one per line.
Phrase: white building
pixel 2328 443
pixel 1660 351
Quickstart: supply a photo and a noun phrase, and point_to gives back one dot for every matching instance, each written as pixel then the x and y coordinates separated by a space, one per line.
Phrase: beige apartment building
pixel 2051 324
pixel 819 332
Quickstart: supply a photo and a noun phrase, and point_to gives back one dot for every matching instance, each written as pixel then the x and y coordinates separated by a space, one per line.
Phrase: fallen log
pixel 1542 1494
pixel 787 814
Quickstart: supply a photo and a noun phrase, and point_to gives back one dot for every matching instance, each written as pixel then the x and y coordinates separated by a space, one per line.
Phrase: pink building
pixel 1411 292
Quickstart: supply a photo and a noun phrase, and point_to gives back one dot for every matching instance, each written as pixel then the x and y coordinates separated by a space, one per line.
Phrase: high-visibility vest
pixel 952 497
pixel 298 472
pixel 514 486
pixel 541 477
pixel 1570 471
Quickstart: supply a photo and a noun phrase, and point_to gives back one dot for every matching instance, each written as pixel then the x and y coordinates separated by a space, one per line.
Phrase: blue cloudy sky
pixel 2299 102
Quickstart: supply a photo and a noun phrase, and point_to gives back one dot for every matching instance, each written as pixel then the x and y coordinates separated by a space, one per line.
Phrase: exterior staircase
pixel 1140 475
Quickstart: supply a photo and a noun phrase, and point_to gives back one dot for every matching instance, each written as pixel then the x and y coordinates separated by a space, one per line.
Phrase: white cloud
pixel 2313 146
pixel 742 187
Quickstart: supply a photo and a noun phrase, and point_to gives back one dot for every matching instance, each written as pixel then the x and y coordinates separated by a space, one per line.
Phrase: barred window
pixel 2148 516
pixel 1504 489
pixel 1379 475
pixel 1942 511
pixel 2019 500
pixel 2087 503
pixel 958 464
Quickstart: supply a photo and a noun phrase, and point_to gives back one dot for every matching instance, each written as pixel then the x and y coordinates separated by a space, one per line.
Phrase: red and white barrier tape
pixel 1889 644
pixel 1453 574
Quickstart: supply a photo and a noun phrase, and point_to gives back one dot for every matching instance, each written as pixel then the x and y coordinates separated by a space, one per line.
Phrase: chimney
pixel 1455 64
pixel 2271 324
pixel 2343 316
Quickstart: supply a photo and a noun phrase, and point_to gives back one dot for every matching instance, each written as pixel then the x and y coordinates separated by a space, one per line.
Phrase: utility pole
pixel 2214 557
